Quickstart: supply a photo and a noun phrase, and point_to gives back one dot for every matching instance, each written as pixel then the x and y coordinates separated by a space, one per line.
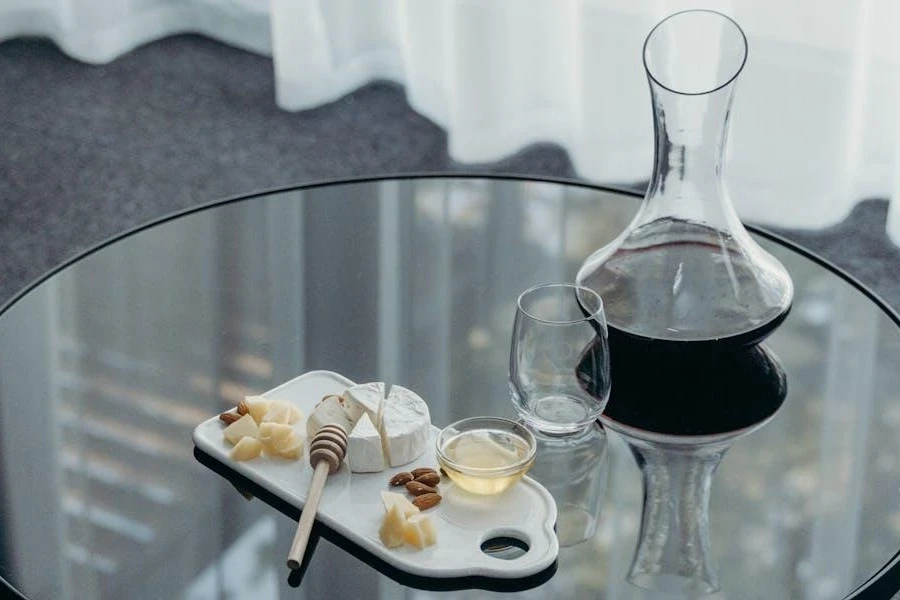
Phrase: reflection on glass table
pixel 679 411
pixel 107 366
pixel 573 468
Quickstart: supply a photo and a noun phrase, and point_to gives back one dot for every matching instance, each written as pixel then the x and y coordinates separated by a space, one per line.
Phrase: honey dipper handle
pixel 308 516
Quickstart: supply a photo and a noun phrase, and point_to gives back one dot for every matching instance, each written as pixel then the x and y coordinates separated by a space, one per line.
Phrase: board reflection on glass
pixel 558 327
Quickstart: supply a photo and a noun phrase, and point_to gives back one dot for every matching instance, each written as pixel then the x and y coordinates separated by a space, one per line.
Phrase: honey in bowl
pixel 485 455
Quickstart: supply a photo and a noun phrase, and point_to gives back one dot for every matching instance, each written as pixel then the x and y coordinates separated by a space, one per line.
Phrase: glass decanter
pixel 686 270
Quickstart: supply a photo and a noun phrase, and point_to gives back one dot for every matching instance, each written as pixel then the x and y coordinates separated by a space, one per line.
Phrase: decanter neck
pixel 691 132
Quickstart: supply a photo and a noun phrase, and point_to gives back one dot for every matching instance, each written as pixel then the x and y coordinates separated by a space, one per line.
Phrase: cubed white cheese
pixel 391 499
pixel 282 412
pixel 405 426
pixel 247 448
pixel 330 411
pixel 275 437
pixel 365 398
pixel 419 531
pixel 292 448
pixel 391 531
pixel 243 427
pixel 364 451
pixel 258 407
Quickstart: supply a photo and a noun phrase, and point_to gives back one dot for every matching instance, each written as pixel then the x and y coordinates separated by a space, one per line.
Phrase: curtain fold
pixel 814 126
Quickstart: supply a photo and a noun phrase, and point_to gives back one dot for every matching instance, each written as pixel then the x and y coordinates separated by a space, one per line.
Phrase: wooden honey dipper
pixel 326 451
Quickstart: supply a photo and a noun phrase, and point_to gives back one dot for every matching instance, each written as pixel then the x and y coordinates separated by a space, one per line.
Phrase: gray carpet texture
pixel 87 152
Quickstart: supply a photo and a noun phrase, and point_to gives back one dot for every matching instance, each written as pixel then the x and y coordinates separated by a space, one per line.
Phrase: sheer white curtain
pixel 815 125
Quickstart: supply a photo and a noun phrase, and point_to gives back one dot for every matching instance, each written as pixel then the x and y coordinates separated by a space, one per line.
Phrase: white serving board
pixel 351 502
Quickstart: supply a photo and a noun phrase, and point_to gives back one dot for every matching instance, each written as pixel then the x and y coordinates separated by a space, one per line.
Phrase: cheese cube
pixel 295 413
pixel 274 437
pixel 277 413
pixel 292 449
pixel 365 398
pixel 247 448
pixel 330 411
pixel 274 431
pixel 243 427
pixel 257 407
pixel 427 526
pixel 405 426
pixel 282 412
pixel 419 531
pixel 392 528
pixel 391 499
pixel 364 451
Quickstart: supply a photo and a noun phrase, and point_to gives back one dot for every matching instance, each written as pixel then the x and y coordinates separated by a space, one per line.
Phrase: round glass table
pixel 108 363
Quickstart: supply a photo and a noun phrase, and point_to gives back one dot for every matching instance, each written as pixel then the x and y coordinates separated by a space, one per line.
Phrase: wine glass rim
pixel 597 315
pixel 704 92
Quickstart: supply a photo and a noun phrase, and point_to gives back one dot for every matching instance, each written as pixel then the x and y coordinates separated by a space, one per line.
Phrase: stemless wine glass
pixel 559 358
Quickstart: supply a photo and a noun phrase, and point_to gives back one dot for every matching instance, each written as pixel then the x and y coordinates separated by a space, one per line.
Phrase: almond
pixel 401 479
pixel 228 417
pixel 426 501
pixel 242 408
pixel 429 479
pixel 417 489
pixel 421 471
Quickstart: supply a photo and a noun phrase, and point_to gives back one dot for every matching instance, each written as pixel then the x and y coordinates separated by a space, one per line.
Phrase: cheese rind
pixel 364 451
pixel 365 398
pixel 330 411
pixel 405 426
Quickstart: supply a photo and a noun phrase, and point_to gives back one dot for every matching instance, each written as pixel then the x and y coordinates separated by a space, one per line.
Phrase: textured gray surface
pixel 87 152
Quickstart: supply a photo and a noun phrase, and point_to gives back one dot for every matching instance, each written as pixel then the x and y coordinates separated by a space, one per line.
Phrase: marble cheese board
pixel 351 502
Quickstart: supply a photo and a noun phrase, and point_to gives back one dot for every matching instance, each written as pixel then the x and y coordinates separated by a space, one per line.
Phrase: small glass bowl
pixel 485 455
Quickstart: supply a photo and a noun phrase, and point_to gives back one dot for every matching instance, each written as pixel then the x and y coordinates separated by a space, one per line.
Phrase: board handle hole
pixel 505 545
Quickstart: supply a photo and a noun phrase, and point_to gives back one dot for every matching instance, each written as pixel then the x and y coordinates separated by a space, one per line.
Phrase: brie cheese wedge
pixel 365 399
pixel 330 411
pixel 405 426
pixel 364 452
